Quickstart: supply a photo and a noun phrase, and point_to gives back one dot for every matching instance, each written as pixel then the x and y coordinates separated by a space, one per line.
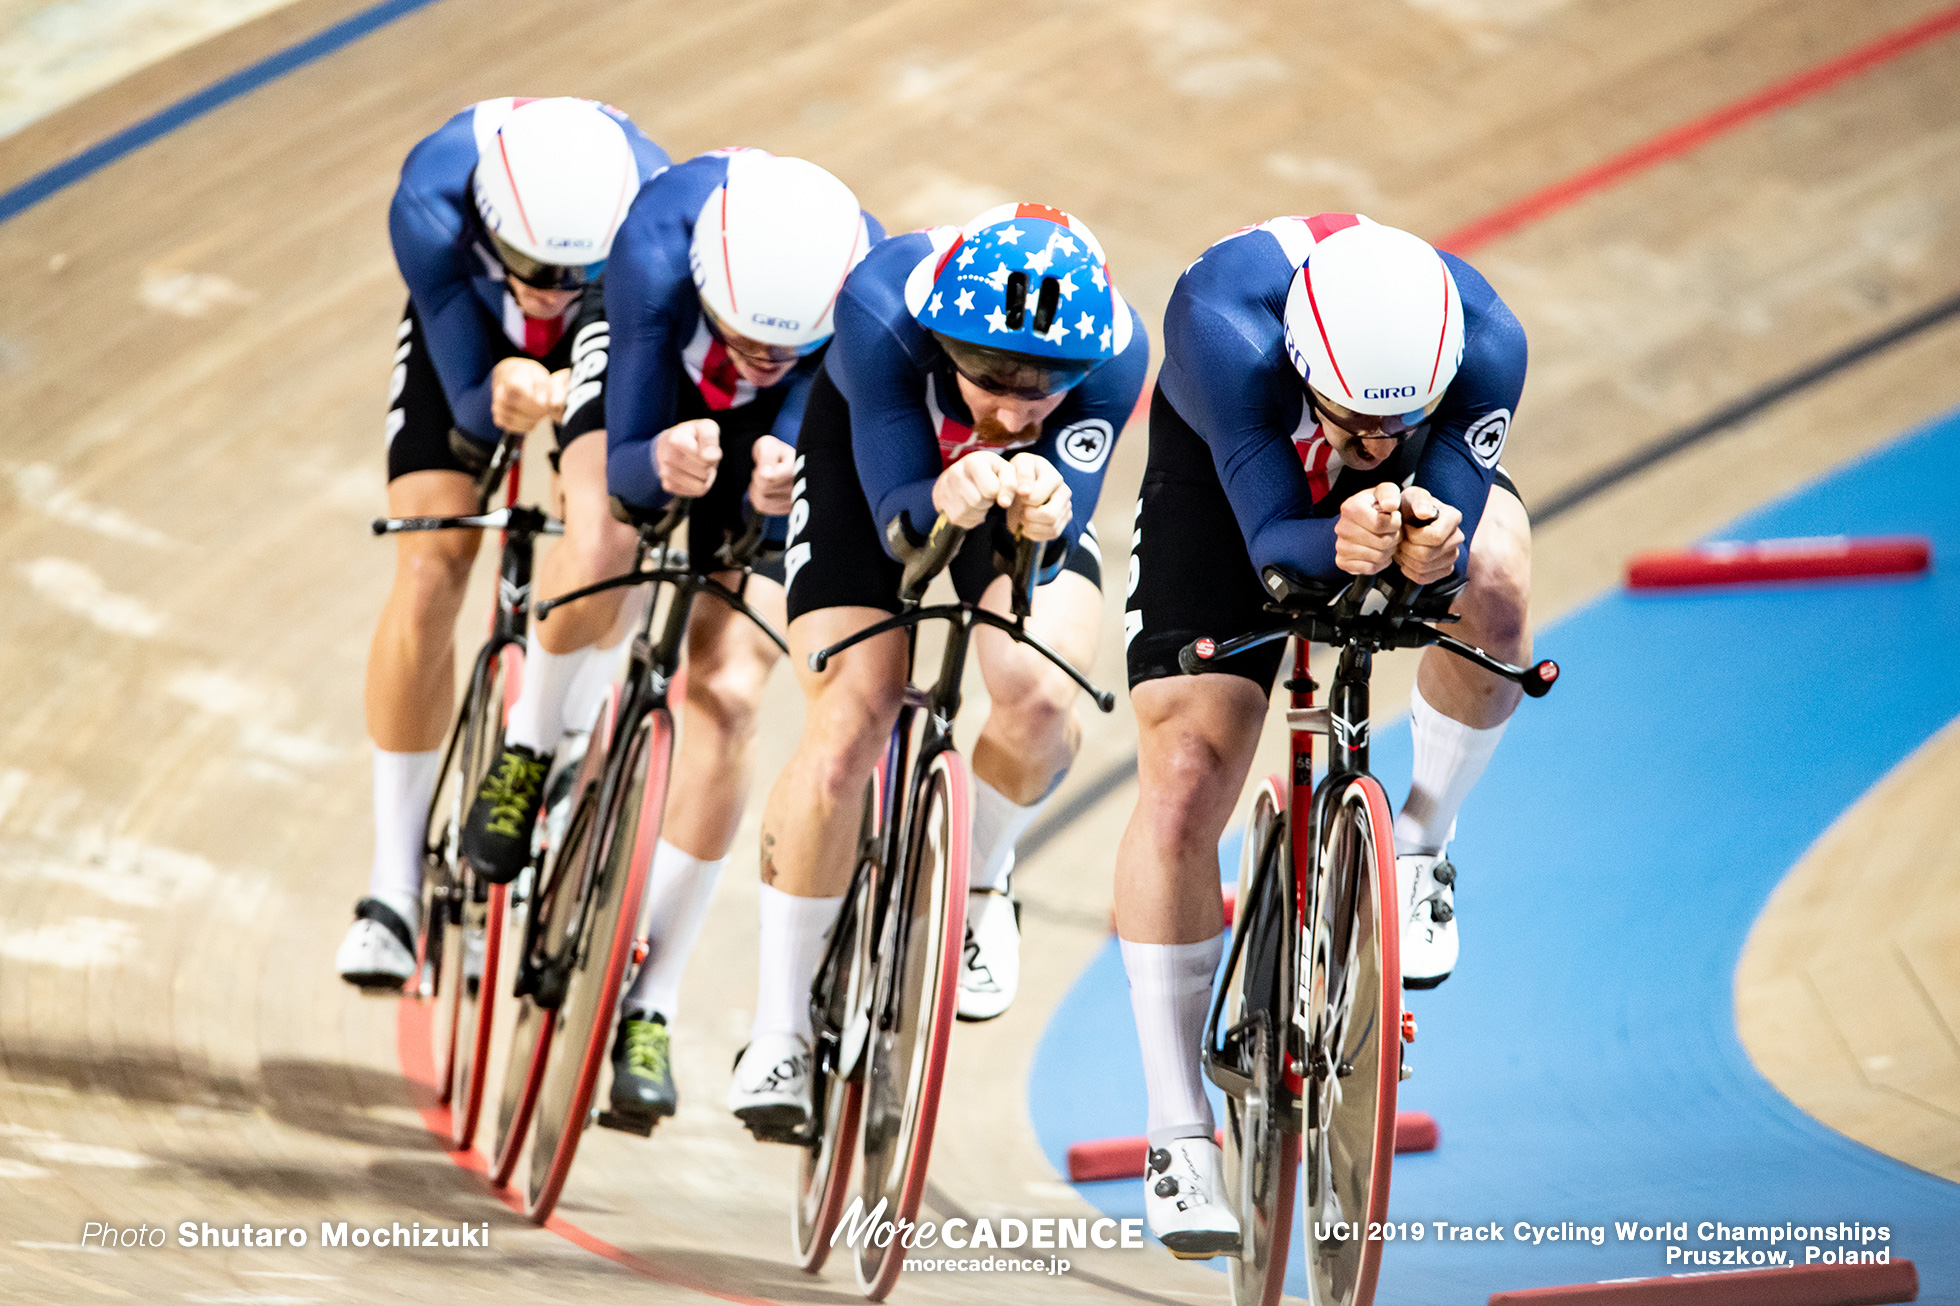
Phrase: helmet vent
pixel 1017 300
pixel 1046 303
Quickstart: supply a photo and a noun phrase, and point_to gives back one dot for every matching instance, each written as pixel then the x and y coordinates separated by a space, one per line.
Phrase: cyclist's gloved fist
pixel 1432 532
pixel 974 486
pixel 1042 506
pixel 685 457
pixel 773 483
pixel 1369 530
pixel 522 394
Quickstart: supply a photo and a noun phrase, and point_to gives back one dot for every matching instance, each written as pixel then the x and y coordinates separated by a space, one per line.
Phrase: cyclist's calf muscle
pixel 1196 739
pixel 411 663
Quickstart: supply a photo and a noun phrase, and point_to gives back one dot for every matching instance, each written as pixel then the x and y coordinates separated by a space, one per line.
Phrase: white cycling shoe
pixel 771 1092
pixel 1184 1199
pixel 1427 885
pixel 378 954
pixel 990 959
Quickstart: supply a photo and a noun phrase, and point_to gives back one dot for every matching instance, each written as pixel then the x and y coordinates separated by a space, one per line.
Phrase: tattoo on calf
pixel 768 859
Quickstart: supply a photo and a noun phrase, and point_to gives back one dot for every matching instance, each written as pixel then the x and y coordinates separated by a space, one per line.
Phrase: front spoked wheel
pixel 596 953
pixel 836 1078
pixel 914 992
pixel 1354 1021
pixel 1261 1142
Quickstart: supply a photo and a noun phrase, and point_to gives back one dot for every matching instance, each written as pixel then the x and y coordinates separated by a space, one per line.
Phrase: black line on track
pixel 1119 773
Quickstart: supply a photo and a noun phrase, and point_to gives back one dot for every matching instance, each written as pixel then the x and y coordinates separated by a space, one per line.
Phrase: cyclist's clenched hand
pixel 685 456
pixel 774 479
pixel 1431 535
pixel 1369 530
pixel 522 395
pixel 973 486
pixel 1042 505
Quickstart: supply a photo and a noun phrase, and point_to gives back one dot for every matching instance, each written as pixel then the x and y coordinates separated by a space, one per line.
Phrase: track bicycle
pixel 462 914
pixel 579 901
pixel 883 1000
pixel 1305 1035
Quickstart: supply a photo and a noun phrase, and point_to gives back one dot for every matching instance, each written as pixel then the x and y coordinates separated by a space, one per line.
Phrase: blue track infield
pixel 1583 1062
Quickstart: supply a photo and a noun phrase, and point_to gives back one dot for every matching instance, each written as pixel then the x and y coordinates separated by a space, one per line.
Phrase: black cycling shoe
pixel 643 1076
pixel 497 835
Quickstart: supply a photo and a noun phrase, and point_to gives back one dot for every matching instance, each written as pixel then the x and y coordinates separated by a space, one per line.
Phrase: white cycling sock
pixel 537 718
pixel 998 824
pixel 403 785
pixel 679 889
pixel 1170 996
pixel 792 943
pixel 1450 758
pixel 595 675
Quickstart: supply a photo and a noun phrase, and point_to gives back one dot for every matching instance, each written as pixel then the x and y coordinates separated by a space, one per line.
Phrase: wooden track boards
pixel 196 396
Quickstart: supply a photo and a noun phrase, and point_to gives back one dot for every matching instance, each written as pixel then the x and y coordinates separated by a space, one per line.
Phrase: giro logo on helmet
pixel 1389 392
pixel 781 323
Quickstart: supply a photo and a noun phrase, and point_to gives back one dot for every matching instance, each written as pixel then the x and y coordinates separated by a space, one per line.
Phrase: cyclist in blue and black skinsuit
pixel 980 373
pixel 718 302
pixel 501 228
pixel 1334 399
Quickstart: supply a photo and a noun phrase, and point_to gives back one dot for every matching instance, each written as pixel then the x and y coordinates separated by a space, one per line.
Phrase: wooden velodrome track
pixel 193 365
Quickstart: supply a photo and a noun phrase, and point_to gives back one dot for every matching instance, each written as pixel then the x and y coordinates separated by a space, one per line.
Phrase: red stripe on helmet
pixel 1444 334
pixel 947 257
pixel 1041 211
pixel 849 260
pixel 727 271
pixel 1323 225
pixel 523 217
pixel 1306 272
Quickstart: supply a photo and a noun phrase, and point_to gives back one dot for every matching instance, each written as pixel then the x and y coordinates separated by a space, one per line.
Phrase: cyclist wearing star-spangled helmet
pixel 981 373
pixel 1334 398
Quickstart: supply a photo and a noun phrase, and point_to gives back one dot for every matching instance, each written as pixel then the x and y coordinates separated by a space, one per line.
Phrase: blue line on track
pixel 196 105
pixel 1583 1063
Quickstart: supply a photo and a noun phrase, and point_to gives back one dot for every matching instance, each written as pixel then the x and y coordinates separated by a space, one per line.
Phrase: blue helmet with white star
pixel 1024 280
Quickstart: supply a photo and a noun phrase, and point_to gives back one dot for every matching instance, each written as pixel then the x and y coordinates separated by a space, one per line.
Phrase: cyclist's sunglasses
pixel 539 275
pixel 755 351
pixel 1011 376
pixel 1367 426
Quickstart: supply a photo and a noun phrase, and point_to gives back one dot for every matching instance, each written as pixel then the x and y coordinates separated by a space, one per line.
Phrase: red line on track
pixel 1679 140
pixel 418 1067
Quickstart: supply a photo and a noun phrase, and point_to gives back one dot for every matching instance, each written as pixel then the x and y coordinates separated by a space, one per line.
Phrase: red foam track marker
pixel 1790 1285
pixel 1123 1158
pixel 1808 559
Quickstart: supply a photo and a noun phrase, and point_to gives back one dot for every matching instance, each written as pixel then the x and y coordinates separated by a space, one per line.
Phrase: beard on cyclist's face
pixel 1006 419
pixel 532 302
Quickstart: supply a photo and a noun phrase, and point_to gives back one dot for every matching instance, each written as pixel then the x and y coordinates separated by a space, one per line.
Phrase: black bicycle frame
pixel 652 665
pixel 941 704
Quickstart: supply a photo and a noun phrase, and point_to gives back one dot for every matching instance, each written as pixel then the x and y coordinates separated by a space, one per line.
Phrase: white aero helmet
pixel 553 181
pixel 772 246
pixel 1374 323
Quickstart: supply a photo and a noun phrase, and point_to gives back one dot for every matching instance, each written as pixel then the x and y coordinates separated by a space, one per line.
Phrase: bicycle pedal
pixel 627 1124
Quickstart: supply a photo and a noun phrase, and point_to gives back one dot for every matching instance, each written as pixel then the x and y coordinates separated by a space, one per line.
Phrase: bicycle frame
pixel 941 704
